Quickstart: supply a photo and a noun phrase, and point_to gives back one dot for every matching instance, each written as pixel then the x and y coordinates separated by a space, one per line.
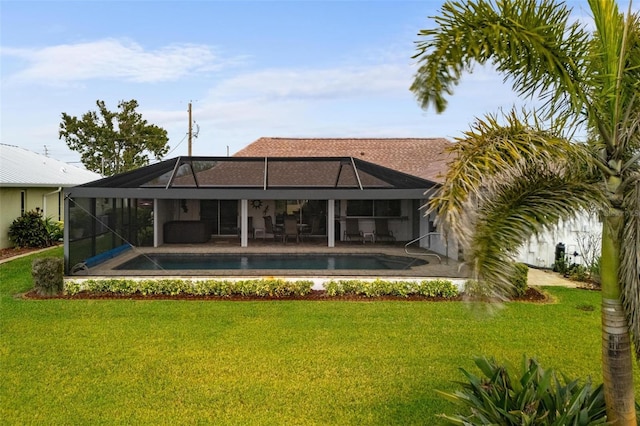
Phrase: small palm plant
pixel 535 397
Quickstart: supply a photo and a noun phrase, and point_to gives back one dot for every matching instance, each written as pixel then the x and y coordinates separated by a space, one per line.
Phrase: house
pixel 324 183
pixel 327 184
pixel 427 158
pixel 30 181
pixel 577 241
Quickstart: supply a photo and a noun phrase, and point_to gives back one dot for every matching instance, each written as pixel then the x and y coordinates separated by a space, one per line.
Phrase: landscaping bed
pixel 531 295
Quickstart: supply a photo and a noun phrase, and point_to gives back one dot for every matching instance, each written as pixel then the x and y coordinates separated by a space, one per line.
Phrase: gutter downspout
pixel 44 201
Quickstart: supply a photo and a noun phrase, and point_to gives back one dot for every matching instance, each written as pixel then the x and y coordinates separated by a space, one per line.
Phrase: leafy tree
pixel 515 175
pixel 113 142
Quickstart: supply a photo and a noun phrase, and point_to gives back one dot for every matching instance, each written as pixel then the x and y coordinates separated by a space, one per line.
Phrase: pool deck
pixel 435 268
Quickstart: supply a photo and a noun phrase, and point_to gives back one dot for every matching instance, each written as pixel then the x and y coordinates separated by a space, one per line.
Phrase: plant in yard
pixel 589 244
pixel 578 272
pixel 378 287
pixel 32 230
pixel 519 279
pixel 513 178
pixel 174 287
pixel 48 275
pixel 534 397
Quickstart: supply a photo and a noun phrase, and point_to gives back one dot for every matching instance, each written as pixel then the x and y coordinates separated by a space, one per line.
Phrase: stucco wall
pixel 46 199
pixel 541 251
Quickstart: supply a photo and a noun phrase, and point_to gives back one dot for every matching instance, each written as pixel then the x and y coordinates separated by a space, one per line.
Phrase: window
pixel 23 202
pixel 360 208
pixel 380 208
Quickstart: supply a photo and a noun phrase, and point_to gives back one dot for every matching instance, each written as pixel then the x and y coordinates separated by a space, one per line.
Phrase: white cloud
pixel 112 59
pixel 316 83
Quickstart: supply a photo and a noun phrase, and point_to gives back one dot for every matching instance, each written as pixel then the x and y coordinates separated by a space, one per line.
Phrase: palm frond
pixel 630 259
pixel 614 105
pixel 531 42
pixel 487 150
pixel 518 203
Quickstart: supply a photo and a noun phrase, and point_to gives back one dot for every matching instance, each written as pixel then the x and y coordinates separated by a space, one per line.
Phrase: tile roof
pixel 422 157
pixel 20 167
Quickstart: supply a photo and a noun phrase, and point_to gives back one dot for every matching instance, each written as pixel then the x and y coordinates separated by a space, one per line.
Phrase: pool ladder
pixel 406 246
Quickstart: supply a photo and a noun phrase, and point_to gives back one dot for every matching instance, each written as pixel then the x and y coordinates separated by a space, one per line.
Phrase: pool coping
pixel 446 269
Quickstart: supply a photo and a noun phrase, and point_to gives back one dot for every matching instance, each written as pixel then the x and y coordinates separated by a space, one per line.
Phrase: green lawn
pixel 265 363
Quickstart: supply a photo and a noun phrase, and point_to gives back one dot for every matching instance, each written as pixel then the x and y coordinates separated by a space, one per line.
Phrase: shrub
pixel 519 279
pixel 536 397
pixel 476 290
pixel 48 275
pixel 560 265
pixel 30 230
pixel 578 273
pixel 437 288
pixel 173 287
pixel 519 284
pixel 55 230
pixel 376 288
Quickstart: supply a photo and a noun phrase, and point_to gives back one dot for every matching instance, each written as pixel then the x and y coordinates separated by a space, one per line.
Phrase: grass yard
pixel 266 363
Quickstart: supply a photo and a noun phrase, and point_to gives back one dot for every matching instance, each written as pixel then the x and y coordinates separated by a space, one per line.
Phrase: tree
pixel 113 142
pixel 515 175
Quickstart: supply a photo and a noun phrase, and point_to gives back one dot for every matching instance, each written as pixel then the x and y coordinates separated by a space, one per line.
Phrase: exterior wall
pixel 46 199
pixel 540 252
pixel 436 241
pixel 164 213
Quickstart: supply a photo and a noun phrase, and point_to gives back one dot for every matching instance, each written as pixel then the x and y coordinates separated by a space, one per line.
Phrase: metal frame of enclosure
pixel 131 208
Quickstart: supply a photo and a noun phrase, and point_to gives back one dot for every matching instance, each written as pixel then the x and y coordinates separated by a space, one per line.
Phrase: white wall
pixel 540 251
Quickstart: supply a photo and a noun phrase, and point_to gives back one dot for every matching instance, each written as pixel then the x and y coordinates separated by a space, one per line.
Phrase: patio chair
pixel 314 229
pixel 352 231
pixel 290 229
pixel 269 228
pixel 382 232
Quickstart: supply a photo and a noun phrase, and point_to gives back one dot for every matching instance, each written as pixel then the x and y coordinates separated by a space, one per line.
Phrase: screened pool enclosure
pixel 195 200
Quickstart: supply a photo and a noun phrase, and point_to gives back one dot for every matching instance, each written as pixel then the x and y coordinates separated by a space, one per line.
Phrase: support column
pixel 244 223
pixel 331 223
pixel 156 223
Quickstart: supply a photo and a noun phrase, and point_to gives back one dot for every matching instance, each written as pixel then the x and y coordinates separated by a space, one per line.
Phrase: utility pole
pixel 190 128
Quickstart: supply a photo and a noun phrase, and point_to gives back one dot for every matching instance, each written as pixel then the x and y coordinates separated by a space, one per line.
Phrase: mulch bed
pixel 532 295
pixel 6 253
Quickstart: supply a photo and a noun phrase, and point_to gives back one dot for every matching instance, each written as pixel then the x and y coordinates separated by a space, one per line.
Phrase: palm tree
pixel 516 175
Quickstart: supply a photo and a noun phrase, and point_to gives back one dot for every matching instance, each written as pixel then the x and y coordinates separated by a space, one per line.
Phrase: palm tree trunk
pixel 617 363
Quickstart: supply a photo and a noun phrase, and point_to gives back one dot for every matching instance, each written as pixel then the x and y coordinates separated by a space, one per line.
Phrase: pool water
pixel 191 261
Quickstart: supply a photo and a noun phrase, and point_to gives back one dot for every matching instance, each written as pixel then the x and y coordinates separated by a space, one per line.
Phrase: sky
pixel 250 69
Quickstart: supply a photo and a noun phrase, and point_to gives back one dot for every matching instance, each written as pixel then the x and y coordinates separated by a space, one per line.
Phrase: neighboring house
pixel 325 183
pixel 577 241
pixel 29 181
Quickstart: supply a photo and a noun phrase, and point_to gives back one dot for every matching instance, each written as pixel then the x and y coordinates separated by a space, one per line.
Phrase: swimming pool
pixel 208 261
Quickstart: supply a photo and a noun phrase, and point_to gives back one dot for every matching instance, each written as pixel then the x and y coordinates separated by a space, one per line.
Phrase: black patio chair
pixel 382 232
pixel 270 228
pixel 314 229
pixel 352 231
pixel 290 229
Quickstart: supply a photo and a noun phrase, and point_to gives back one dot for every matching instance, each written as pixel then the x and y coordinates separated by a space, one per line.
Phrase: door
pixel 221 215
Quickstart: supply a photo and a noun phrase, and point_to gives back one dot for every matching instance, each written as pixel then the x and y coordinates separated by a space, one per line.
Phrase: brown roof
pixel 422 157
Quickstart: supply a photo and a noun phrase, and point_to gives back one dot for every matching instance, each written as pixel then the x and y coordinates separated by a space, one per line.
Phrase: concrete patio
pixel 437 266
